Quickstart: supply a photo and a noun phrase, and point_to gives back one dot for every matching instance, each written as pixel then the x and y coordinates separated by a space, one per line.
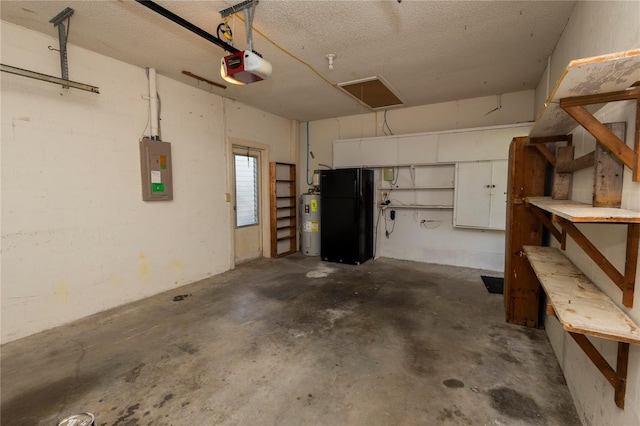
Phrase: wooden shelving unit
pixel 580 306
pixel 525 178
pixel 283 202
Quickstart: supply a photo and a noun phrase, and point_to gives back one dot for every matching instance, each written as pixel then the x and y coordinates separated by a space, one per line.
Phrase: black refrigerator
pixel 346 218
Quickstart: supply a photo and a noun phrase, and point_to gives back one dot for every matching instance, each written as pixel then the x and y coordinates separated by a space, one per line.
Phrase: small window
pixel 246 172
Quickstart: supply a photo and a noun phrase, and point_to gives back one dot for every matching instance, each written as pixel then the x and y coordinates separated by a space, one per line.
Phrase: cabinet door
pixel 473 202
pixel 498 207
pixel 480 200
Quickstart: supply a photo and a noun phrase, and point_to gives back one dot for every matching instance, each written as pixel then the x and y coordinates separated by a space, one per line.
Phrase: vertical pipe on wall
pixel 153 104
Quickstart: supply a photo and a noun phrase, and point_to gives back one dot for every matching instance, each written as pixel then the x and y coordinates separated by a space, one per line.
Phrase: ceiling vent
pixel 373 92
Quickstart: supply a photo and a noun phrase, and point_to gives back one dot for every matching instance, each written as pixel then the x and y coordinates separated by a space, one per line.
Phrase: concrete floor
pixel 295 341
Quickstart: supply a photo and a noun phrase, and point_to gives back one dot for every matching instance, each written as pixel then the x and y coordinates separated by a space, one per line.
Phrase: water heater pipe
pixel 153 104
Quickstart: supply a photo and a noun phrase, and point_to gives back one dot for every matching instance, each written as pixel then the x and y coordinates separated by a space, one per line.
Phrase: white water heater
pixel 310 219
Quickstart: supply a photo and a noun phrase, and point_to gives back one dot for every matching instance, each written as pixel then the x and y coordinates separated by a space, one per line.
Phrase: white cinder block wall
pixel 597 28
pixel 76 236
pixel 443 244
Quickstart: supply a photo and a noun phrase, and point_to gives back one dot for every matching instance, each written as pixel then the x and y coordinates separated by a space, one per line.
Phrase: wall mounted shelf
pixel 584 213
pixel 583 310
pixel 580 306
pixel 413 188
pixel 413 206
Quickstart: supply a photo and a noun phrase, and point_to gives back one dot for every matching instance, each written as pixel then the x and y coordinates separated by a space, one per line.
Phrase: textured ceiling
pixel 428 51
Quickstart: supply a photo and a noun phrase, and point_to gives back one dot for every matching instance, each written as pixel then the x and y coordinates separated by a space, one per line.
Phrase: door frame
pixel 264 211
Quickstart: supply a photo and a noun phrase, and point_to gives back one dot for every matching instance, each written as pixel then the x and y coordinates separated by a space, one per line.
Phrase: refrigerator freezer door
pixel 341 183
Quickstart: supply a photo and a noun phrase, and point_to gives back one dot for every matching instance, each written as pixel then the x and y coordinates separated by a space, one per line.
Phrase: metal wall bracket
pixel 58 21
pixel 238 7
pixel 63 32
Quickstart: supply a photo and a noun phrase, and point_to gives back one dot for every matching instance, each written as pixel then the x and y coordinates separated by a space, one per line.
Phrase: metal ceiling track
pixel 188 25
pixel 57 21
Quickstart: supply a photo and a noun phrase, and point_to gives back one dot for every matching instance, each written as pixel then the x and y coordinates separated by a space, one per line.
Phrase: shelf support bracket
pixel 574 106
pixel 546 153
pixel 625 282
pixel 539 214
pixel 616 377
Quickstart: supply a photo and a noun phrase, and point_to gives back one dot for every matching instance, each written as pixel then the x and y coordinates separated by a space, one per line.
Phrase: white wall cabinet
pixel 480 195
pixel 449 146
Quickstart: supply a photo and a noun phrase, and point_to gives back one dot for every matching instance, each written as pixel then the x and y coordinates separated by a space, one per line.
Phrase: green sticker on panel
pixel 157 187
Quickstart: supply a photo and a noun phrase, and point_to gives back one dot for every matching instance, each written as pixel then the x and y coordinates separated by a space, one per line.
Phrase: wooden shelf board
pixel 600 74
pixel 585 213
pixel 579 305
pixel 285 253
pixel 413 206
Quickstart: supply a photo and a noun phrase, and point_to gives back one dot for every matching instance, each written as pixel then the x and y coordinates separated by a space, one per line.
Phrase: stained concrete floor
pixel 295 341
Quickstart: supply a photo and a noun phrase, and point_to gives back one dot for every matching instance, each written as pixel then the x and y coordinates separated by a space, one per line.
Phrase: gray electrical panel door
pixel 155 165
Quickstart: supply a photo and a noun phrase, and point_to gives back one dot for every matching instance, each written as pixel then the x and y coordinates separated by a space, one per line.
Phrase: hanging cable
pixel 396 172
pixel 375 240
pixel 387 233
pixel 224 31
pixel 386 124
pixel 308 151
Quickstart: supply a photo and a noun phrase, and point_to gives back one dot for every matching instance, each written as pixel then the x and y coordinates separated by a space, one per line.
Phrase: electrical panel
pixel 155 165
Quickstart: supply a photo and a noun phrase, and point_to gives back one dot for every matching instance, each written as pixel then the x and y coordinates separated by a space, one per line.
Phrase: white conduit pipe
pixel 153 104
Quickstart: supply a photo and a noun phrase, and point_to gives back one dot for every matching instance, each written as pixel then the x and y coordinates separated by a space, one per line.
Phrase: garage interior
pixel 166 258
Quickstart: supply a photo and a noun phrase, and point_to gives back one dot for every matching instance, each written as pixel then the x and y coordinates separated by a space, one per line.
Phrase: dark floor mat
pixel 493 284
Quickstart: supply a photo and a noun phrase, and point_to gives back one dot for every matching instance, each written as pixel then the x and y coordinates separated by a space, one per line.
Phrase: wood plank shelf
pixel 579 305
pixel 589 76
pixel 584 213
pixel 583 310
